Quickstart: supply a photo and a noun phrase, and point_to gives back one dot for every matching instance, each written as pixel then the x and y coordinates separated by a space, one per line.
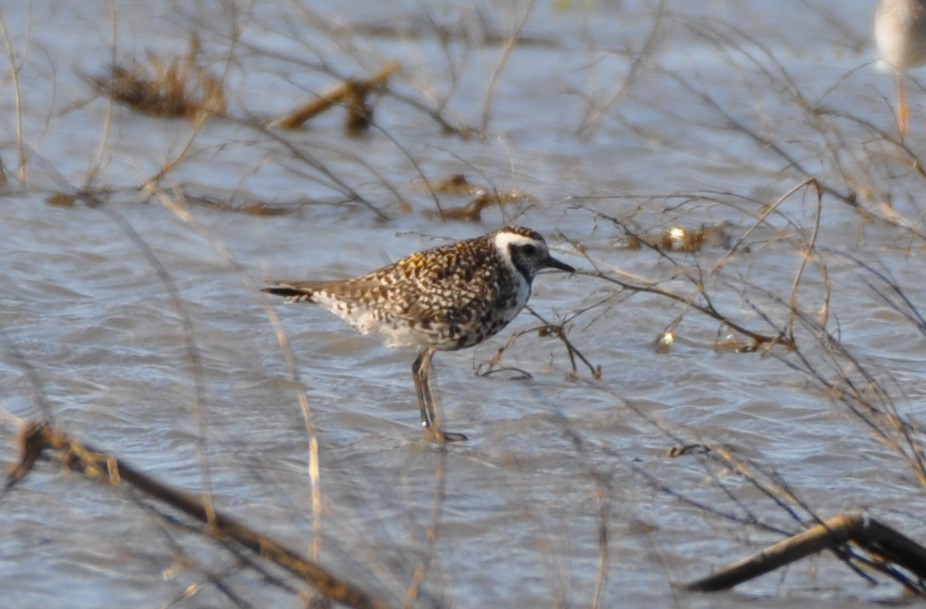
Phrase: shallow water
pixel 726 109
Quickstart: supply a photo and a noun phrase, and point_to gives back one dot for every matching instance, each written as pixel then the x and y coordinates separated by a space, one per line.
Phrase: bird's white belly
pixel 369 320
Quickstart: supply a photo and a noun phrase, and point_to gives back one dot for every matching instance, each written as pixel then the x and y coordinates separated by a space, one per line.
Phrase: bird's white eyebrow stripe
pixel 504 239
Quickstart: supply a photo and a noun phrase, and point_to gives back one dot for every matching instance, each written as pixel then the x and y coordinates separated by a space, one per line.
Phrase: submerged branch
pixel 39 437
pixel 887 550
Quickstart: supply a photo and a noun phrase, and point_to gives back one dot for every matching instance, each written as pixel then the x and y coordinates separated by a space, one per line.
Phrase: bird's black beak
pixel 557 264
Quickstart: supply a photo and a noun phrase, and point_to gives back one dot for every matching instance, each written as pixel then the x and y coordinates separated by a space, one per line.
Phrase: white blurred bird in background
pixel 900 33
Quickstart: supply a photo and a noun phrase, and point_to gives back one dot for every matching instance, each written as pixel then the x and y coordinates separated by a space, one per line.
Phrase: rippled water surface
pixel 131 316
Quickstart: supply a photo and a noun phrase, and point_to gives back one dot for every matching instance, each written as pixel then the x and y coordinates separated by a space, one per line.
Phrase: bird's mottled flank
pixel 441 299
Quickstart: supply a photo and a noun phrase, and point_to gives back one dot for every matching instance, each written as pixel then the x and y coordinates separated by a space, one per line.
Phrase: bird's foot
pixel 449 436
pixel 432 434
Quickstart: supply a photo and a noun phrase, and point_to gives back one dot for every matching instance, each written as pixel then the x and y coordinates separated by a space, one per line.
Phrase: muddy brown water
pixel 611 117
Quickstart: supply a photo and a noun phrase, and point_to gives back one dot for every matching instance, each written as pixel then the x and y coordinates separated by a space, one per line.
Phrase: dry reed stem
pixel 192 348
pixel 433 530
pixel 38 438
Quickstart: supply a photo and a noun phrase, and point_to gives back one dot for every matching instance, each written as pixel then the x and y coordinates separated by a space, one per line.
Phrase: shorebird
pixel 900 33
pixel 441 299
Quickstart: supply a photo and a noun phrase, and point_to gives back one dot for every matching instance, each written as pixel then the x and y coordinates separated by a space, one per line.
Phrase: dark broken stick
pixel 348 90
pixel 879 539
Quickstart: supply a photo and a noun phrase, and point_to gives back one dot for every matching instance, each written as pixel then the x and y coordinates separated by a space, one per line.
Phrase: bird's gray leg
pixel 421 371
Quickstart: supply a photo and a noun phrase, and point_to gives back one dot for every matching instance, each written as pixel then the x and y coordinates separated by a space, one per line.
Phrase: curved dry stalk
pixel 193 354
pixel 17 97
pixel 811 251
pixel 699 299
pixel 511 42
pixel 94 201
pixel 176 206
pixel 192 348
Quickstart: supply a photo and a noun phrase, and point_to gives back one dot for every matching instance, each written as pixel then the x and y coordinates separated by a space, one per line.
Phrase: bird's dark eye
pixel 529 250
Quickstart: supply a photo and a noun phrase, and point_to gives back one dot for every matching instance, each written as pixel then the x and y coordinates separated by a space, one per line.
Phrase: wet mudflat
pixel 740 354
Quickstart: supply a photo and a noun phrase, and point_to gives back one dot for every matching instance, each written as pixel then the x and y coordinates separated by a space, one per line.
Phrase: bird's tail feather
pixel 291 294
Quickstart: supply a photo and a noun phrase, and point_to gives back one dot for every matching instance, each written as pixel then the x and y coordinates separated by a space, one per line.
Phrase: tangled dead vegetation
pixel 174 88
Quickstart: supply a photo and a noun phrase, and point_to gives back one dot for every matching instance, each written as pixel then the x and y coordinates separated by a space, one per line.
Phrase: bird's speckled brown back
pixel 450 297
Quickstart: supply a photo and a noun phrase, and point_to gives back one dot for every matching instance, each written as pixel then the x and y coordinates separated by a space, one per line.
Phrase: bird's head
pixel 526 251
